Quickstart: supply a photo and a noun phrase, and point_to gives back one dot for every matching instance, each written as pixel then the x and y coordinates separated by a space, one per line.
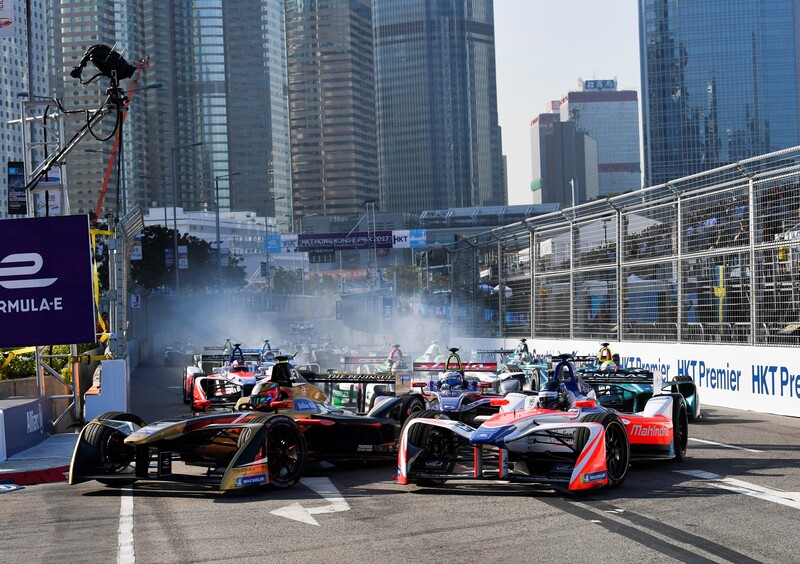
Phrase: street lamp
pixel 174 150
pixel 219 241
pixel 266 240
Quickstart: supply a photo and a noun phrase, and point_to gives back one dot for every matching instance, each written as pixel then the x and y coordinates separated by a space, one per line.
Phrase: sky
pixel 542 48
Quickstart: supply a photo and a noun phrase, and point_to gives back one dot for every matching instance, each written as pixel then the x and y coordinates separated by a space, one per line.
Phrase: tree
pixel 153 273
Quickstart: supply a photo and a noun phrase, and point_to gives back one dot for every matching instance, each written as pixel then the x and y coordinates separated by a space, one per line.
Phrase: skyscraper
pixel 223 66
pixel 611 117
pixel 24 72
pixel 438 135
pixel 720 82
pixel 331 106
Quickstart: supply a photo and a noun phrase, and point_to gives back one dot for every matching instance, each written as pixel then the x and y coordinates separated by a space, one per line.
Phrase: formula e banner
pixel 46 281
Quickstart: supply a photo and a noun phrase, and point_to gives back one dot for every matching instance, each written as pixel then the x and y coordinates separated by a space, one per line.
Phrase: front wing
pixel 243 465
pixel 548 454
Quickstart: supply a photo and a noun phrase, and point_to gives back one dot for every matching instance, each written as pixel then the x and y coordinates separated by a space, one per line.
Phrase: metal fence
pixel 712 257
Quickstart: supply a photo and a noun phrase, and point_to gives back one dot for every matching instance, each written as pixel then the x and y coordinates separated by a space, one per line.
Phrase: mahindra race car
pixel 238 450
pixel 553 436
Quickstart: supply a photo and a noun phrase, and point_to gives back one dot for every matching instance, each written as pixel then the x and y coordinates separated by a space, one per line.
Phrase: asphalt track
pixel 735 499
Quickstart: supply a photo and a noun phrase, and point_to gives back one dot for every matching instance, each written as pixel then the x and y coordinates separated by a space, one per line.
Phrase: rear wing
pixel 465 366
pixel 618 377
pixel 329 381
pixel 361 359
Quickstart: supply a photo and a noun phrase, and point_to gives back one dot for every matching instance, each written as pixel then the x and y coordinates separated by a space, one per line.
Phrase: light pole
pixel 219 240
pixel 174 150
pixel 266 240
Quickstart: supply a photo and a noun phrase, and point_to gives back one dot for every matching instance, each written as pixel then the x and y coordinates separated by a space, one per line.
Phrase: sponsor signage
pixel 17 198
pixel 46 289
pixel 330 242
pixel 599 84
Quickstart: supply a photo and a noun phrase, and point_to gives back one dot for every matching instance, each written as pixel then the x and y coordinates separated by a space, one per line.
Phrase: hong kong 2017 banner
pixel 46 281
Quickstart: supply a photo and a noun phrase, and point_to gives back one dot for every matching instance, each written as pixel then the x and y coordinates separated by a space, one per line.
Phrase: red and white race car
pixel 553 436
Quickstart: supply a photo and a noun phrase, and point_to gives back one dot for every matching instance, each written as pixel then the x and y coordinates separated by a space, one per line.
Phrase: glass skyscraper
pixel 332 106
pixel 438 134
pixel 223 65
pixel 719 81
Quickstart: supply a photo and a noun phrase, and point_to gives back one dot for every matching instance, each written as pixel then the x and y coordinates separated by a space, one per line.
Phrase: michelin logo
pixel 35 421
pixel 31 265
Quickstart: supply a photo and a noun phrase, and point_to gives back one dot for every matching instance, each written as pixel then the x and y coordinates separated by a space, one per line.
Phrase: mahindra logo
pixel 29 264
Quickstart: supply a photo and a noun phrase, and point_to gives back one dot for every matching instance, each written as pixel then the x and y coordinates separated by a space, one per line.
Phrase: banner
pixel 7 24
pixel 17 199
pixel 46 287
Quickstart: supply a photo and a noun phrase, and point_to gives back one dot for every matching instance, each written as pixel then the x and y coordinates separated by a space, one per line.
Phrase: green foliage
pixel 24 365
pixel 203 273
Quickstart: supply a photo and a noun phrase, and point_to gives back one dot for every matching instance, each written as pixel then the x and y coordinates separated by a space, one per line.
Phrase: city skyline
pixel 539 60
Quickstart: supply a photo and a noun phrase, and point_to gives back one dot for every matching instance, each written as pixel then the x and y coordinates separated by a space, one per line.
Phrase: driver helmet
pixel 264 393
pixel 553 395
pixel 234 364
pixel 451 380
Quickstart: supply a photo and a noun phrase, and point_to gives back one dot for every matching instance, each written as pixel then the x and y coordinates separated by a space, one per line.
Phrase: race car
pixel 179 354
pixel 453 390
pixel 271 445
pixel 230 386
pixel 628 390
pixel 239 450
pixel 552 436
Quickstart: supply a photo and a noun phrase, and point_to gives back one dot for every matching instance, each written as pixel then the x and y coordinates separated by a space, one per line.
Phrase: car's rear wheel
pixel 618 450
pixel 438 446
pixel 284 448
pixel 115 457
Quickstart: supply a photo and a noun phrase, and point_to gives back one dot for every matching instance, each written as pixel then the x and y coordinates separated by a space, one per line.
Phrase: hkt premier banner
pixel 7 23
pixel 46 281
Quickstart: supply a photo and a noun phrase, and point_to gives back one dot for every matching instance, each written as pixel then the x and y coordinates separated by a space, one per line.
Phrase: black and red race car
pixel 238 449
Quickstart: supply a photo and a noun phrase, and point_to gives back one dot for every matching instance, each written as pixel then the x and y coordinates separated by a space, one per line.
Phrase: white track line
pixel 724 445
pixel 125 552
pixel 789 499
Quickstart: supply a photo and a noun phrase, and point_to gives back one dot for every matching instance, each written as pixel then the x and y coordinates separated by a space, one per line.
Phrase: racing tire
pixel 439 446
pixel 186 396
pixel 411 404
pixel 618 448
pixel 680 427
pixel 122 416
pixel 285 449
pixel 114 455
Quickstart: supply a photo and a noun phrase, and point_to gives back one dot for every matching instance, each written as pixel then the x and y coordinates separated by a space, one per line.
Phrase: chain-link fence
pixel 708 258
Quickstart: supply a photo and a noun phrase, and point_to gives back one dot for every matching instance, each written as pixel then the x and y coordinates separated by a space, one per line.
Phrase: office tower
pixel 564 160
pixel 719 83
pixel 24 72
pixel 223 67
pixel 74 27
pixel 331 106
pixel 610 117
pixel 541 128
pixel 438 135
